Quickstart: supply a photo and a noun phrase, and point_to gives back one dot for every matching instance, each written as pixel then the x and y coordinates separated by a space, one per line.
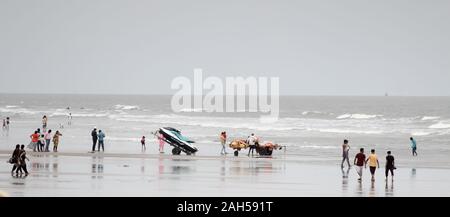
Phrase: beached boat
pixel 179 142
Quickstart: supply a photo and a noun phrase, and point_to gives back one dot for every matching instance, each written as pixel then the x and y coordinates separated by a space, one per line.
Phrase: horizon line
pixel 168 94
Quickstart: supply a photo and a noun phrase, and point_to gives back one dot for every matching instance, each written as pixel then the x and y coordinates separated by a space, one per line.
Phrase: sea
pixel 309 127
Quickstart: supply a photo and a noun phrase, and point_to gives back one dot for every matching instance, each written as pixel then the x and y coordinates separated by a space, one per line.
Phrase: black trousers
pixel 252 148
pixel 94 142
pixel 389 169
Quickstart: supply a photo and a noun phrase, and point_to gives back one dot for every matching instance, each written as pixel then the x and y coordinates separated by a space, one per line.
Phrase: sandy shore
pixel 87 174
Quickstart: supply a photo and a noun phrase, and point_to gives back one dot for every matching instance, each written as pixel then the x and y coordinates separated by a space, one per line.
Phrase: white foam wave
pixel 357 116
pixel 421 133
pixel 426 118
pixel 126 107
pixel 440 125
pixel 349 131
pixel 191 110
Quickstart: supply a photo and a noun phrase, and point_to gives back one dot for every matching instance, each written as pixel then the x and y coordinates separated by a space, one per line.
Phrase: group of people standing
pixel 98 137
pixel 41 141
pixel 361 160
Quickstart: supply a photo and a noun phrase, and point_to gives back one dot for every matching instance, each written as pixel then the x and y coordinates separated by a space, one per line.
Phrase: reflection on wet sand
pixel 372 189
pixel 389 191
pixel 345 179
pixel 359 190
pixel 413 172
pixel 55 166
pixel 97 167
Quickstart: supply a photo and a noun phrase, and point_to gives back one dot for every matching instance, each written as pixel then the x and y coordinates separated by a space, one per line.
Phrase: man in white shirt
pixel 252 143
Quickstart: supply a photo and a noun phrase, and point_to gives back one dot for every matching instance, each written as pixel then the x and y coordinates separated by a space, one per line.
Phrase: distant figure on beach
pixel 390 165
pixel 34 140
pixel 143 143
pixel 7 123
pixel 359 161
pixel 101 138
pixel 4 125
pixel 413 146
pixel 94 138
pixel 345 150
pixel 22 158
pixel 69 119
pixel 223 141
pixel 15 158
pixel 161 142
pixel 48 138
pixel 251 141
pixel 44 122
pixel 56 141
pixel 373 163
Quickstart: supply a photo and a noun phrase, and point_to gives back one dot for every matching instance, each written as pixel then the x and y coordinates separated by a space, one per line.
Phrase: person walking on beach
pixel 15 158
pixel 44 122
pixel 94 138
pixel 101 138
pixel 48 138
pixel 34 140
pixel 413 146
pixel 69 119
pixel 390 165
pixel 345 150
pixel 4 125
pixel 251 141
pixel 143 143
pixel 359 161
pixel 22 158
pixel 373 163
pixel 56 141
pixel 161 142
pixel 223 140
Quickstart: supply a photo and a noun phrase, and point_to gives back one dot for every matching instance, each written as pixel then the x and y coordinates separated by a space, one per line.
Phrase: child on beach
pixel 44 122
pixel 42 142
pixel 161 142
pixel 373 163
pixel 56 141
pixel 223 140
pixel 143 143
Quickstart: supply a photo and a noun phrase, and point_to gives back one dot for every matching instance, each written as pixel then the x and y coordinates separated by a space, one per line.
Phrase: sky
pixel 325 47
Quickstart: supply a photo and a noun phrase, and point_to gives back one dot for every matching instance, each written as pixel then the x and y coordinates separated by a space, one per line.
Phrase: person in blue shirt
pixel 413 146
pixel 101 136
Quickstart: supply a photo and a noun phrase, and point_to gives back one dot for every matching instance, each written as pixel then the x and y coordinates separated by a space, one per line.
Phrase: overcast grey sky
pixel 347 47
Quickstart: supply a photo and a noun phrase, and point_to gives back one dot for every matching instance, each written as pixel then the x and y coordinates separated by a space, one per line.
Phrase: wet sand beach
pixel 87 174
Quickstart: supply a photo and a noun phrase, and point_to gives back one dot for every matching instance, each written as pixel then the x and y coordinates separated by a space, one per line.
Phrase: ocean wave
pixel 191 110
pixel 349 131
pixel 440 125
pixel 17 110
pixel 11 106
pixel 426 118
pixel 315 113
pixel 357 116
pixel 421 133
pixel 126 107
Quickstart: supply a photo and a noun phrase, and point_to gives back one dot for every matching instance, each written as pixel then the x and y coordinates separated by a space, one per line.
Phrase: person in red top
pixel 359 161
pixel 34 140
